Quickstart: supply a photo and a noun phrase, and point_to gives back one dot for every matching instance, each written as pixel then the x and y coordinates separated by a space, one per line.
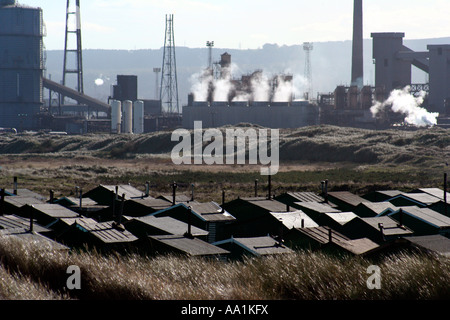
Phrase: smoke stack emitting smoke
pixel 402 101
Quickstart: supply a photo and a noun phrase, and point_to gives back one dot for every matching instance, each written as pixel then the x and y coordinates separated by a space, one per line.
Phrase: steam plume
pixel 402 101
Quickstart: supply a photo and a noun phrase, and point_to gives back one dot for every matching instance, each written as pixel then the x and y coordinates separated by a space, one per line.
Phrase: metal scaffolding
pixel 169 82
pixel 73 28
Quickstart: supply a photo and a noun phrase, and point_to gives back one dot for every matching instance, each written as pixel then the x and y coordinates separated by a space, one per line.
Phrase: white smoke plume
pixel 402 101
pixel 260 87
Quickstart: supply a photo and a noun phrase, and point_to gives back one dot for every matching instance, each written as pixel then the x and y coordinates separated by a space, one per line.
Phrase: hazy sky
pixel 139 24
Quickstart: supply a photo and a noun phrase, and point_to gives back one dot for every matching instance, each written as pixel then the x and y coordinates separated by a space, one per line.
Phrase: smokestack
pixel 174 187
pixel 188 234
pixel 52 194
pixel 2 202
pixel 147 188
pixel 31 218
pixel 445 194
pixel 357 51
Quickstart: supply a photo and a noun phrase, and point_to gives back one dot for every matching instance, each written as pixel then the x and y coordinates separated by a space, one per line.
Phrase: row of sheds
pixel 123 218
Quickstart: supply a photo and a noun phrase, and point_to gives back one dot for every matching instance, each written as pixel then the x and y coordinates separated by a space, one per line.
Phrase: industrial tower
pixel 169 83
pixel 308 47
pixel 357 45
pixel 73 29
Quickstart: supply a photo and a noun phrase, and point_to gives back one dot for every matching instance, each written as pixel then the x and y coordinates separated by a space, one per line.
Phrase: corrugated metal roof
pixel 193 247
pixel 306 196
pixel 390 226
pixel 106 232
pixel 262 245
pixel 347 197
pixel 317 207
pixel 357 246
pixel 129 191
pixel 321 234
pixel 27 193
pixel 435 192
pixel 13 222
pixel 341 217
pixel 153 203
pixel 423 198
pixel 427 215
pixel 170 225
pixel 436 243
pixel 294 219
pixel 269 205
pixel 209 211
pixel 178 198
pixel 378 207
pixel 20 201
pixel 55 210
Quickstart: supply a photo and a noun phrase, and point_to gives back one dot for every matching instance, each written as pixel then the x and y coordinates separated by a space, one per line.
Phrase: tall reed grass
pixel 29 271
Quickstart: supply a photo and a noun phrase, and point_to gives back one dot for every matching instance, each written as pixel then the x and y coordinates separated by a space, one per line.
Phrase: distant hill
pixel 331 65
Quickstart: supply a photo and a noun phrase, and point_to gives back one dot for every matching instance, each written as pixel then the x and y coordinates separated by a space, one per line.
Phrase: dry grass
pixel 300 276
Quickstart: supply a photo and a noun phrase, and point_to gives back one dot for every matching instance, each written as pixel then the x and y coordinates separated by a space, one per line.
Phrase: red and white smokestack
pixel 357 50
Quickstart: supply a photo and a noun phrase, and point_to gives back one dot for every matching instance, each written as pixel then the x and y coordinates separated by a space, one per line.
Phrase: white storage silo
pixel 116 116
pixel 138 117
pixel 128 116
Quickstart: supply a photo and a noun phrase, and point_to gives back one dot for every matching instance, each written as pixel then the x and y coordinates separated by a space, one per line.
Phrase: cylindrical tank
pixel 127 116
pixel 116 116
pixel 21 65
pixel 138 117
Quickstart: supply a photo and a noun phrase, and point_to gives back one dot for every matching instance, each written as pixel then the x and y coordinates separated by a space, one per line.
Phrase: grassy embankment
pixel 351 159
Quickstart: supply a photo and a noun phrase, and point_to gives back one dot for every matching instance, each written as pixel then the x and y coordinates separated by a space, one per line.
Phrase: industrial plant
pixel 266 100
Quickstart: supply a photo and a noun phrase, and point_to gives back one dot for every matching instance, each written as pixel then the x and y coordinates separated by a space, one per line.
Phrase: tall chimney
pixel 2 202
pixel 147 188
pixel 15 186
pixel 445 194
pixel 174 187
pixel 357 50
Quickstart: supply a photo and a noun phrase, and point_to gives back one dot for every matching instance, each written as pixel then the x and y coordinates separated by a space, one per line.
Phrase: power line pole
pixel 169 82
pixel 308 47
pixel 73 19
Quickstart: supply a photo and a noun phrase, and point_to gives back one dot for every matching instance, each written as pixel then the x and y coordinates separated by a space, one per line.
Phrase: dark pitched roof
pixel 340 218
pixel 27 193
pixel 357 246
pixel 106 232
pixel 258 246
pixel 189 246
pixel 376 207
pixel 317 207
pixel 321 234
pixel 347 197
pixel 168 225
pixel 427 215
pixel 269 205
pixel 15 222
pixel 20 201
pixel 54 210
pixel 436 243
pixel 155 204
pixel 390 226
pixel 178 198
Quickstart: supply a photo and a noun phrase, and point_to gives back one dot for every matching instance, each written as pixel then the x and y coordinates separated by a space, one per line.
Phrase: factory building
pixel 21 65
pixel 393 63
